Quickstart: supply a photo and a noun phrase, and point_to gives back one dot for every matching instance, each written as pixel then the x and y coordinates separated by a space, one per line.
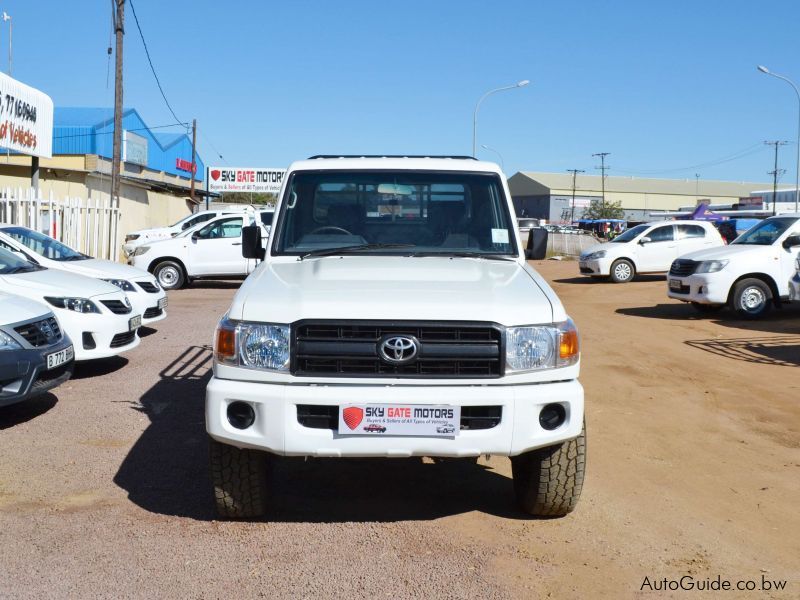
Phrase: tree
pixel 608 210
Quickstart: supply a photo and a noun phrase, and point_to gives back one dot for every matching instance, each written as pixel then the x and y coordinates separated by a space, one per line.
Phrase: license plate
pixel 428 420
pixel 675 284
pixel 162 303
pixel 135 322
pixel 56 359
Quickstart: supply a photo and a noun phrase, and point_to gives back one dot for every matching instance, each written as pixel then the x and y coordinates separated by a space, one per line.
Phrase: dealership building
pixel 155 174
pixel 550 195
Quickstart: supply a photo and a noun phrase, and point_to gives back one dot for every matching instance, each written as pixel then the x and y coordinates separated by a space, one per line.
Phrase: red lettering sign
pixel 185 165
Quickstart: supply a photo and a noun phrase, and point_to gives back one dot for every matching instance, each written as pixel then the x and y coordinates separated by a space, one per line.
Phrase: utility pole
pixel 574 175
pixel 775 174
pixel 603 168
pixel 119 30
pixel 194 154
pixel 696 188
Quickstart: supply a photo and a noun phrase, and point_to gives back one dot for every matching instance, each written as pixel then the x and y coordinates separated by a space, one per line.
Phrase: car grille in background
pixel 152 313
pixel 117 307
pixel 147 287
pixel 40 333
pixel 123 339
pixel 319 416
pixel 447 350
pixel 683 267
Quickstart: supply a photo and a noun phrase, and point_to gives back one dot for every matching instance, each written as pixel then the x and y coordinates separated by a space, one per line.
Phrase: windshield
pixel 43 245
pixel 10 263
pixel 630 234
pixel 765 233
pixel 396 212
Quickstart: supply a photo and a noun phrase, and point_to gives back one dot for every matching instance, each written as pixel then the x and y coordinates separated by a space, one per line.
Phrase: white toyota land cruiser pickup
pixel 394 315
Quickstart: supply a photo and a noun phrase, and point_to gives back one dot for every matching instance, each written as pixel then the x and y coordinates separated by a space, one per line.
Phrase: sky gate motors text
pixel 250 176
pixel 407 412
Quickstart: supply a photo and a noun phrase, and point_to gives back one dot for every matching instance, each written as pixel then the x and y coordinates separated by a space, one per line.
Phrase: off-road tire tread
pixel 548 481
pixel 239 477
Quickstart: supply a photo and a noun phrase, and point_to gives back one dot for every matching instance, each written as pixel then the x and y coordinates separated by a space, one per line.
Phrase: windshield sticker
pixel 499 236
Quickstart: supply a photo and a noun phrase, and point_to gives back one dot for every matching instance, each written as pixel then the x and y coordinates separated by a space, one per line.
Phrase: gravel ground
pixel 693 469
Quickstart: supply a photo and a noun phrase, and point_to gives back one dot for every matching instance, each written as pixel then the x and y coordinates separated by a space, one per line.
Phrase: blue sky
pixel 660 85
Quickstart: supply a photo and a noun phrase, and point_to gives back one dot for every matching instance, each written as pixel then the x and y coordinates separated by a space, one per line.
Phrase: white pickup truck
pixel 750 275
pixel 394 315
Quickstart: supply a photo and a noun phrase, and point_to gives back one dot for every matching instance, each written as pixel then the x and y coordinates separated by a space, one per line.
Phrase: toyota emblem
pixel 398 349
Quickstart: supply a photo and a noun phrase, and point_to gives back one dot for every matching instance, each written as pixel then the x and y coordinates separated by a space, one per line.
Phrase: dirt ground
pixel 693 469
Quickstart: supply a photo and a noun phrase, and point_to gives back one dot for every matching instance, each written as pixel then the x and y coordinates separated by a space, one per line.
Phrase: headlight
pixel 131 237
pixel 126 286
pixel 81 305
pixel 594 255
pixel 140 250
pixel 711 266
pixel 263 346
pixel 8 343
pixel 542 347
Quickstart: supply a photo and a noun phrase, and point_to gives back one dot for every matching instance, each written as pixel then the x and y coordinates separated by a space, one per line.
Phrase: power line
pixel 77 135
pixel 749 151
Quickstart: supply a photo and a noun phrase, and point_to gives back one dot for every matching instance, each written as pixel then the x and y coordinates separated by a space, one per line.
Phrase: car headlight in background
pixel 81 305
pixel 541 347
pixel 594 255
pixel 263 346
pixel 711 266
pixel 8 343
pixel 131 237
pixel 140 250
pixel 126 286
pixel 797 264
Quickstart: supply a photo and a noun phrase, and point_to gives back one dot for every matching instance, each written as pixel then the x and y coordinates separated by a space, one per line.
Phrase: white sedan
pixel 142 289
pixel 96 315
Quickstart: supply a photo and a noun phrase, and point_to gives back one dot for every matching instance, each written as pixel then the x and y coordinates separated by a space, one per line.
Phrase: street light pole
pixel 519 84
pixel 766 71
pixel 502 163
pixel 7 17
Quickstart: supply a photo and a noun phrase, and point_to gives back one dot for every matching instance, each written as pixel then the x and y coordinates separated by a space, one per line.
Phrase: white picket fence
pixel 88 225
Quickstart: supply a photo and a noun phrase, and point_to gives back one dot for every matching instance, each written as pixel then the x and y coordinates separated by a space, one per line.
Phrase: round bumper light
pixel 552 416
pixel 241 415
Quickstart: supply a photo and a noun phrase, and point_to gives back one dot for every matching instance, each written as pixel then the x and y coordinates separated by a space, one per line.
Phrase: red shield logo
pixel 215 174
pixel 352 416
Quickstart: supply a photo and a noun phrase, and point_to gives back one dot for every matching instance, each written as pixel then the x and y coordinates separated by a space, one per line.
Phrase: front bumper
pixel 277 430
pixel 794 288
pixel 595 267
pixel 703 289
pixel 98 335
pixel 24 373
pixel 152 306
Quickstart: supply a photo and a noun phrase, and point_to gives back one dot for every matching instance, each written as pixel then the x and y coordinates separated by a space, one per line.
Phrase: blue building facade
pixel 87 130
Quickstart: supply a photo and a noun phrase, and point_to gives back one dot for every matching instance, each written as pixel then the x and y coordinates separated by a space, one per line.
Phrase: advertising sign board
pixel 26 119
pixel 245 179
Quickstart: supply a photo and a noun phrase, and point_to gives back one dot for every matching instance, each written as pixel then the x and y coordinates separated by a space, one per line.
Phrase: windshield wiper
pixel 465 255
pixel 350 249
pixel 75 257
pixel 22 269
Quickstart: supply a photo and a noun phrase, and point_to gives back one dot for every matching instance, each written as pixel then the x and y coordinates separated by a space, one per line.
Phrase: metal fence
pixel 87 225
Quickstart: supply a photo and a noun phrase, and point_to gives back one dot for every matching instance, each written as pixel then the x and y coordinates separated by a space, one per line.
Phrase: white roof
pixel 399 163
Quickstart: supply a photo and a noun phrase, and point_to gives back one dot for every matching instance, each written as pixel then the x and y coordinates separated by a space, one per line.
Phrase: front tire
pixel 548 481
pixel 170 275
pixel 239 477
pixel 752 298
pixel 622 271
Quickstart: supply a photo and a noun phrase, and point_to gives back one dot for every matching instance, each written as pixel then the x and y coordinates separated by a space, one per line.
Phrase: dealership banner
pixel 245 179
pixel 26 119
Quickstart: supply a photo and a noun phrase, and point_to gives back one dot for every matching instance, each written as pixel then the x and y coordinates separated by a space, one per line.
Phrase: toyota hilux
pixel 394 315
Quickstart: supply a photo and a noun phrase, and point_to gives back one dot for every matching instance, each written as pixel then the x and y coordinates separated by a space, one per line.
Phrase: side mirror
pixel 645 240
pixel 251 242
pixel 196 236
pixel 791 242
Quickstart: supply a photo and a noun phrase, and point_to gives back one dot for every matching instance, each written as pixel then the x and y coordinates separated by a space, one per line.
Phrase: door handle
pixel 236 244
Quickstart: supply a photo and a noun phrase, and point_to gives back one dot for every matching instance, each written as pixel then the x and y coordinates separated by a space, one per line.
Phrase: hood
pixel 723 252
pixel 388 288
pixel 14 309
pixel 104 269
pixel 53 282
pixel 595 247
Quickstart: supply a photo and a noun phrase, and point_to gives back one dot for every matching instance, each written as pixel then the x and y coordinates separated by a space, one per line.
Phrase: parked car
pixel 375 428
pixel 647 248
pixel 445 429
pixel 35 354
pixel 395 281
pixel 212 250
pixel 137 238
pixel 146 296
pixel 96 315
pixel 751 274
pixel 794 284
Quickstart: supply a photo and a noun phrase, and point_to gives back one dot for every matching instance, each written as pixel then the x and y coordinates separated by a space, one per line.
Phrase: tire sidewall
pixel 622 263
pixel 746 292
pixel 167 268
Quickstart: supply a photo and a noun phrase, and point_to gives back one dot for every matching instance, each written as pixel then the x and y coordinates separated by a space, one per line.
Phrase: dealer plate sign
pixel 431 420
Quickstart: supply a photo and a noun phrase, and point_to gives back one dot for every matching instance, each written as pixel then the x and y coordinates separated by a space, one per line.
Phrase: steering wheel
pixel 331 228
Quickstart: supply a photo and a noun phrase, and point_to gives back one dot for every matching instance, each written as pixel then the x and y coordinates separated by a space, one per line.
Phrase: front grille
pixel 151 313
pixel 40 333
pixel 148 287
pixel 683 267
pixel 123 339
pixel 118 307
pixel 320 416
pixel 586 270
pixel 348 349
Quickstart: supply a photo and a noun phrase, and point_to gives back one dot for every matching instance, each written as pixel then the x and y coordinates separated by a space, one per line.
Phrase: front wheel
pixel 170 275
pixel 751 298
pixel 548 481
pixel 622 271
pixel 239 477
